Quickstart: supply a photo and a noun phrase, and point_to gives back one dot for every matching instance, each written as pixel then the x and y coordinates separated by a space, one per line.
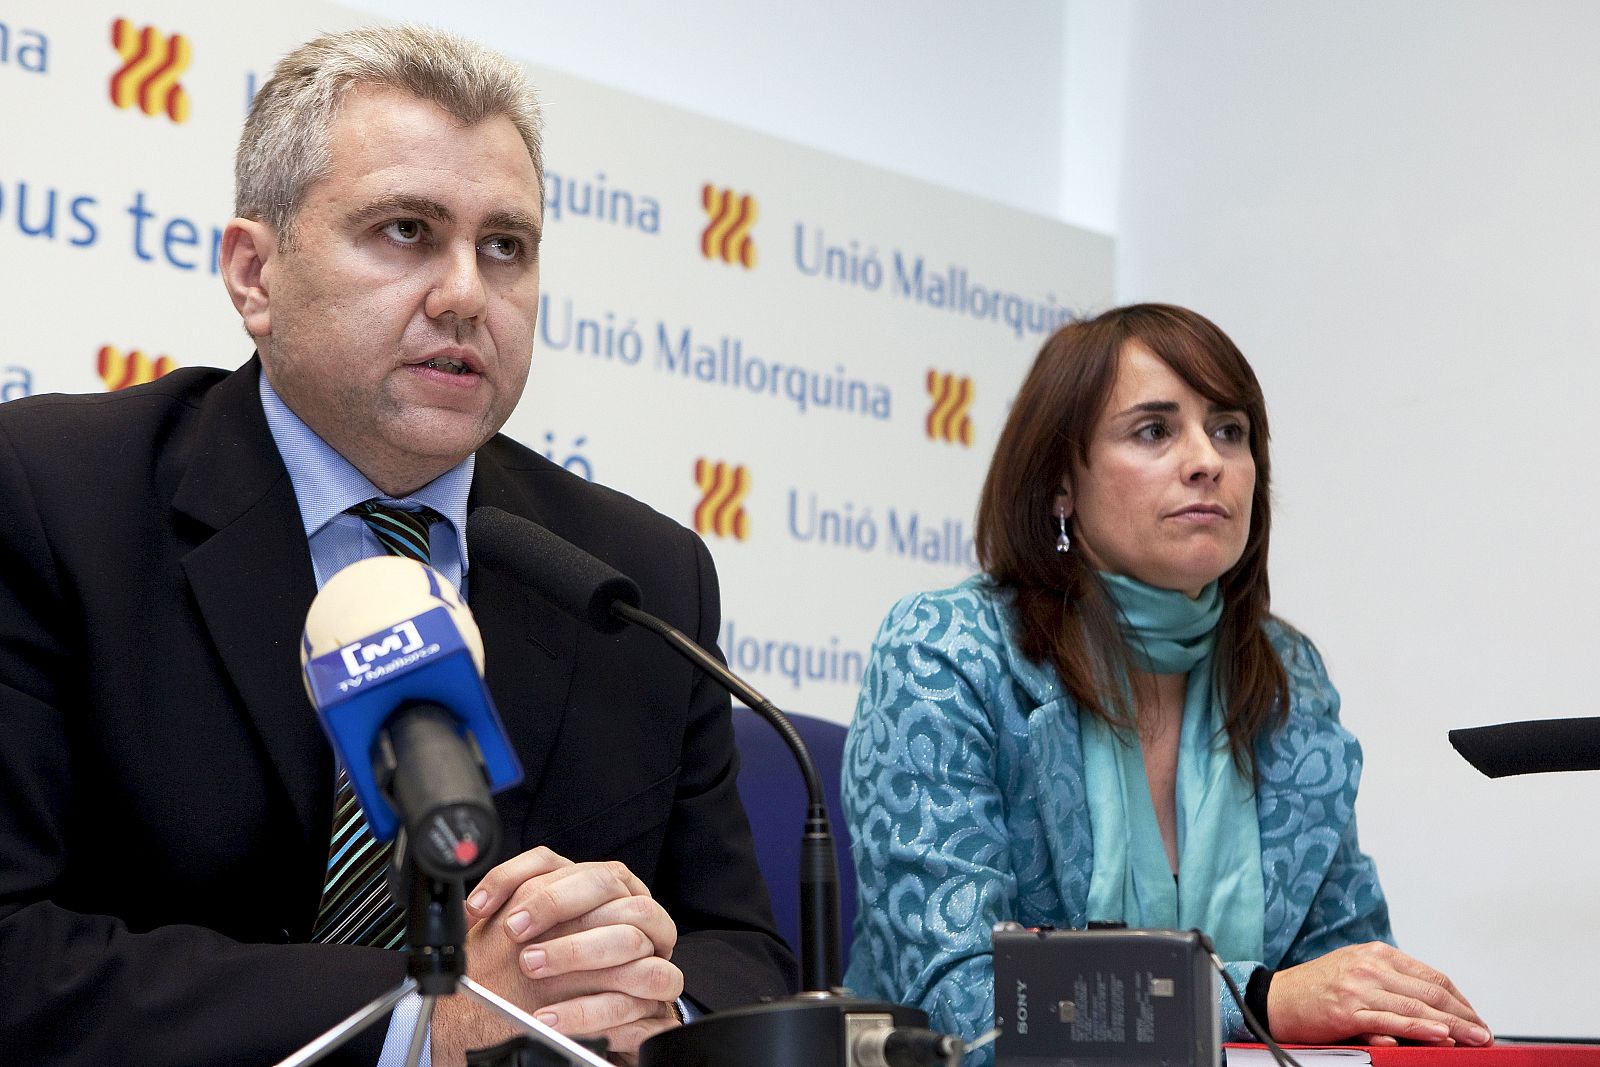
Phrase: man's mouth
pixel 451 366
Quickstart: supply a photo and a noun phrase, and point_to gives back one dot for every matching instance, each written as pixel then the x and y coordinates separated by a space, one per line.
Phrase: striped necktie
pixel 356 907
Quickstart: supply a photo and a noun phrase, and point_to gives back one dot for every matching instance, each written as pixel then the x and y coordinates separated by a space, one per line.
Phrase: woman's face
pixel 1165 497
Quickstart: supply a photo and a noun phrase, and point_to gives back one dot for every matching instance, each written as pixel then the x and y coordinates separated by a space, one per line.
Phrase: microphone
pixel 822 1026
pixel 393 664
pixel 1531 747
pixel 567 576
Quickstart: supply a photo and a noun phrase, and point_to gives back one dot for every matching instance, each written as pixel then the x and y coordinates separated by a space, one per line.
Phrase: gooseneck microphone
pixel 593 591
pixel 393 663
pixel 822 1026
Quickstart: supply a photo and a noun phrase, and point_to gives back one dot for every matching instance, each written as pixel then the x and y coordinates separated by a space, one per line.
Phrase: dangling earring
pixel 1063 542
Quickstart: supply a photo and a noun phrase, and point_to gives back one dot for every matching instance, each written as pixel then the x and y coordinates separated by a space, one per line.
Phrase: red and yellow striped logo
pixel 948 418
pixel 119 371
pixel 723 487
pixel 151 65
pixel 727 235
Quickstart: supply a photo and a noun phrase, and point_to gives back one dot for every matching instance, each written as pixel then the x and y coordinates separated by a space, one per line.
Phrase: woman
pixel 1108 725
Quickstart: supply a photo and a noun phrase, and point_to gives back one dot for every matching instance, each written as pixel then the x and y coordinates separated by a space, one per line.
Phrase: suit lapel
pixel 252 582
pixel 1056 748
pixel 529 645
pixel 1055 751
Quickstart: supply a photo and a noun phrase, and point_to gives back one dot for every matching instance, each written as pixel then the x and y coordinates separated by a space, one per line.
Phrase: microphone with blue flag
pixel 393 663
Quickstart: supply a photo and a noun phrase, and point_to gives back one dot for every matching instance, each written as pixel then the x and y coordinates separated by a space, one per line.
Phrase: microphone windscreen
pixel 1531 747
pixel 371 595
pixel 570 578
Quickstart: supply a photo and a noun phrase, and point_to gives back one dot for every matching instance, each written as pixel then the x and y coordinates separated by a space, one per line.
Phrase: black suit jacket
pixel 166 791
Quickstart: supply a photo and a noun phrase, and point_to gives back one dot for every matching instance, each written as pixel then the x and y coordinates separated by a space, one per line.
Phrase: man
pixel 166 796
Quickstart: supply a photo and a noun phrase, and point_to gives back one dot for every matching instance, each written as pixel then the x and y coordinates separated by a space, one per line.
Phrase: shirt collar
pixel 326 484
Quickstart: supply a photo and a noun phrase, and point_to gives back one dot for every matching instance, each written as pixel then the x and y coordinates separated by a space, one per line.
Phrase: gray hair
pixel 285 147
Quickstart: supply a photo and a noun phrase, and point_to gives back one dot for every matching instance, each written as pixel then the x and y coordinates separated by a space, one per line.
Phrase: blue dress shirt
pixel 326 485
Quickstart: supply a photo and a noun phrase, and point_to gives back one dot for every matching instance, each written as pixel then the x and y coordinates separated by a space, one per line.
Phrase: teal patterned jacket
pixel 963 791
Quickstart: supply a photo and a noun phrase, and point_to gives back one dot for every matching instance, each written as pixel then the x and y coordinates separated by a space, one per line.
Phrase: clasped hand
pixel 1373 994
pixel 582 946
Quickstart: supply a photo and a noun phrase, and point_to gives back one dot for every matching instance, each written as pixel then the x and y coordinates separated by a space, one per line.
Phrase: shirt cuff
pixel 402 1022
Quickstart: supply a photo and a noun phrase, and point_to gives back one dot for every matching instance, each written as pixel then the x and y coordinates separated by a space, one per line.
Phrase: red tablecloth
pixel 1493 1056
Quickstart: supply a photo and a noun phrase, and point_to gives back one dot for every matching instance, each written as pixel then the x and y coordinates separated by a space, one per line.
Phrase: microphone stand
pixel 436 966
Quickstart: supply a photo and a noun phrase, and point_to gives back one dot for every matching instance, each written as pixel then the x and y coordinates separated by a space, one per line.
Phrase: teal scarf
pixel 1219 887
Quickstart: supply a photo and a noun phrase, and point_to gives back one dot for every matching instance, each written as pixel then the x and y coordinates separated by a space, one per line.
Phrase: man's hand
pixel 1373 993
pixel 583 946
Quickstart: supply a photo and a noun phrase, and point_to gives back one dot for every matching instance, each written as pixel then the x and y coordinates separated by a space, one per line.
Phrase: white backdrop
pixel 805 358
pixel 962 93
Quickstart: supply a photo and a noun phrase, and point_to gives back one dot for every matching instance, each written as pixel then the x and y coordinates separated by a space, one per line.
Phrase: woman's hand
pixel 1373 993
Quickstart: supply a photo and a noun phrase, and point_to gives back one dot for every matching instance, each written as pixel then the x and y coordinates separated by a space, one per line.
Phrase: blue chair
pixel 774 795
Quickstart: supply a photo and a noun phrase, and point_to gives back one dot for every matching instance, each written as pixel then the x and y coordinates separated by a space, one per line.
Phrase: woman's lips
pixel 1201 513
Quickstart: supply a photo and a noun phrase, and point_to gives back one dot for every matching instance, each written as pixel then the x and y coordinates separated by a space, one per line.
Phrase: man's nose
pixel 458 289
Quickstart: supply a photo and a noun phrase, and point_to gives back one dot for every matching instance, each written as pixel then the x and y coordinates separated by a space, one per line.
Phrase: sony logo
pixel 1022 1006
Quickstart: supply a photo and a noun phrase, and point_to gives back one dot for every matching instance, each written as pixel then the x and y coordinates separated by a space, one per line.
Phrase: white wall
pixel 1096 41
pixel 963 94
pixel 1390 208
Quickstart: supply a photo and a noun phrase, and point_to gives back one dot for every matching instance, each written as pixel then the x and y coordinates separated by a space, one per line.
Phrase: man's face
pixel 400 319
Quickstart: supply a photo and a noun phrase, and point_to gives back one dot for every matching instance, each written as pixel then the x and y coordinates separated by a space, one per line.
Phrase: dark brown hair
pixel 1065 616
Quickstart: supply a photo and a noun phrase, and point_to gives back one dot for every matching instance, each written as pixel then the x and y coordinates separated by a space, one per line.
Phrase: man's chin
pixel 417 448
pixel 441 431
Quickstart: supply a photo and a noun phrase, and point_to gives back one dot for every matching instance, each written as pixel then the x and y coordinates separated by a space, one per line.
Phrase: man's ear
pixel 248 248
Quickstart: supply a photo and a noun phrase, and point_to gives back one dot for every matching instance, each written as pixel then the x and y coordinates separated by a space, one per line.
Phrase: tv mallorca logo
pixel 152 63
pixel 727 234
pixel 723 487
pixel 400 641
pixel 948 417
pixel 119 371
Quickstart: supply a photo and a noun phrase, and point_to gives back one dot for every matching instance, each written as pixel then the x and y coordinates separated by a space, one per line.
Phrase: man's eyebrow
pixel 515 222
pixel 408 206
pixel 400 204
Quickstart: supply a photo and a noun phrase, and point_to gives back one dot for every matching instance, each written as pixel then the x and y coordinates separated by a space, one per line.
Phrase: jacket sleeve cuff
pixel 1255 995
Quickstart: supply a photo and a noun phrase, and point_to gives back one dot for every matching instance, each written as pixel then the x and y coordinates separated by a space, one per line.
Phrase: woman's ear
pixel 1063 512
